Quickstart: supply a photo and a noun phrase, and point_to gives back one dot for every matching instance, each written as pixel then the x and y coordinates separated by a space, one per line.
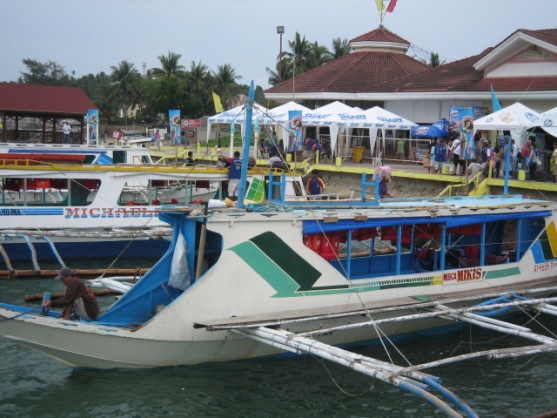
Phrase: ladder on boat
pixel 411 378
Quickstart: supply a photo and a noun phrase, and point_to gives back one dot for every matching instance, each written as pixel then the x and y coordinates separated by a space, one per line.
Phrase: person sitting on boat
pixel 190 161
pixel 315 185
pixel 78 300
pixel 234 173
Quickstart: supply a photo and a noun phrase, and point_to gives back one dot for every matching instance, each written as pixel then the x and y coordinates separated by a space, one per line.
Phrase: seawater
pixel 34 385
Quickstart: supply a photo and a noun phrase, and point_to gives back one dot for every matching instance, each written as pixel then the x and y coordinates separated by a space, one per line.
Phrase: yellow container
pixel 339 161
pixel 358 154
pixel 289 157
pixel 445 169
pixel 522 174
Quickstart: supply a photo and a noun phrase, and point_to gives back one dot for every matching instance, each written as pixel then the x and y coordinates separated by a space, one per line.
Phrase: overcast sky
pixel 91 36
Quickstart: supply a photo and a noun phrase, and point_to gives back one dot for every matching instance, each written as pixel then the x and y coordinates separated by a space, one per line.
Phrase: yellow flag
pixel 380 5
pixel 218 103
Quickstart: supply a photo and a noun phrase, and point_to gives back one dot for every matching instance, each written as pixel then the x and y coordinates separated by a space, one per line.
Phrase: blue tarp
pixel 438 129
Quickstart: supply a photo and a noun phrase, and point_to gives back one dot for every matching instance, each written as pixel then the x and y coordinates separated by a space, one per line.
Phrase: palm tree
pixel 296 61
pixel 225 80
pixel 341 47
pixel 126 85
pixel 170 67
pixel 318 55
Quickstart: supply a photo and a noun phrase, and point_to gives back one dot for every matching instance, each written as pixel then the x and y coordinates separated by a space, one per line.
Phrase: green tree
pixel 434 60
pixel 341 47
pixel 126 86
pixel 169 67
pixel 47 73
pixel 225 81
pixel 318 55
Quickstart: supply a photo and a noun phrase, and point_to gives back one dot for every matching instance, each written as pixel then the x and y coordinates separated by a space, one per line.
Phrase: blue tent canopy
pixel 438 129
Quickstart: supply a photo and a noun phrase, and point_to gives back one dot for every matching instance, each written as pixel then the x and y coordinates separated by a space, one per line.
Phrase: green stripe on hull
pixel 497 274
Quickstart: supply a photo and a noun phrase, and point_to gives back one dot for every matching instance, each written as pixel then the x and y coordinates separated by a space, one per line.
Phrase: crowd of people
pixel 486 157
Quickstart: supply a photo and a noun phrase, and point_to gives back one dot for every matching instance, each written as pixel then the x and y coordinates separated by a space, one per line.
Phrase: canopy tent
pixel 235 116
pixel 548 122
pixel 279 116
pixel 379 118
pixel 513 118
pixel 335 115
pixel 438 129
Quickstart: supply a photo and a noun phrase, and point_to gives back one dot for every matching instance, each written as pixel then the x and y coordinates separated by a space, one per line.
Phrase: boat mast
pixel 245 155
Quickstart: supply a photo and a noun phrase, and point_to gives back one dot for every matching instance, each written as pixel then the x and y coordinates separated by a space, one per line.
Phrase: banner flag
pixel 217 102
pixel 495 104
pixel 295 130
pixel 380 5
pixel 391 6
pixel 92 125
pixel 175 128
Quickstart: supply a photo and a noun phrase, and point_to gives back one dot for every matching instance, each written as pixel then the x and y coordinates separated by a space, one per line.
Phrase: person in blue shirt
pixel 315 185
pixel 234 173
pixel 440 155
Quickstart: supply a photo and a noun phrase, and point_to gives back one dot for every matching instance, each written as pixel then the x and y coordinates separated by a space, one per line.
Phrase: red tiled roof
pixel 380 35
pixel 351 72
pixel 545 35
pixel 462 76
pixel 29 99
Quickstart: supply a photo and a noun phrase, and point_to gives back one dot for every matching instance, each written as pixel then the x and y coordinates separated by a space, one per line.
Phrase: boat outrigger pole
pixel 247 140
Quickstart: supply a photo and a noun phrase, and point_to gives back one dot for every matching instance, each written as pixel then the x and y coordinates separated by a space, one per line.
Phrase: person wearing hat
pixel 78 299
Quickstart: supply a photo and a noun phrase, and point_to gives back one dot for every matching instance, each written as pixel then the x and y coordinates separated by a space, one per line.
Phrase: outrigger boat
pixel 310 276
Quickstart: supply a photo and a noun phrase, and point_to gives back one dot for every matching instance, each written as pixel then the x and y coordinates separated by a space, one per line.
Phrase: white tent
pixel 335 115
pixel 235 116
pixel 514 118
pixel 379 118
pixel 279 116
pixel 548 122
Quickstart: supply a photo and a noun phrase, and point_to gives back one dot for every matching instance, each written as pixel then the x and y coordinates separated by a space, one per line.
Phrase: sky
pixel 89 37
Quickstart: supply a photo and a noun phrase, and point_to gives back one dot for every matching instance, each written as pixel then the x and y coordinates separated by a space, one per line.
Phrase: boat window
pixel 166 192
pixel 48 192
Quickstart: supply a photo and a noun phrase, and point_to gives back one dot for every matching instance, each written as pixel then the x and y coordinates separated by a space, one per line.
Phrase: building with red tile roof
pixel 523 67
pixel 46 106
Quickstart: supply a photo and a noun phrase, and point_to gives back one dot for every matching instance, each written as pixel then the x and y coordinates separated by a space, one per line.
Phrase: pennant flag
pixel 495 104
pixel 380 5
pixel 391 6
pixel 218 103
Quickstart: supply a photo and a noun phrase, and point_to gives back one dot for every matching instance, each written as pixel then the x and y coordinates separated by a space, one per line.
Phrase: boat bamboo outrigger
pixel 307 276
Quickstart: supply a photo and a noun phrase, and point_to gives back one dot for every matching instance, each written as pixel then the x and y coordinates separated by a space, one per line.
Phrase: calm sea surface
pixel 33 385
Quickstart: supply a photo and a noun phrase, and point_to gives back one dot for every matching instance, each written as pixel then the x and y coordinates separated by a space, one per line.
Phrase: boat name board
pixel 465 275
pixel 127 212
pixel 545 266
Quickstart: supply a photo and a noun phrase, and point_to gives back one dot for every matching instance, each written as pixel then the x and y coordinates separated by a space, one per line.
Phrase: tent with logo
pixel 547 122
pixel 236 116
pixel 335 116
pixel 514 118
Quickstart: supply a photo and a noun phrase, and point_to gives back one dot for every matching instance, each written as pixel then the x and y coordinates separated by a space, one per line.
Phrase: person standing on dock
pixel 78 300
pixel 440 156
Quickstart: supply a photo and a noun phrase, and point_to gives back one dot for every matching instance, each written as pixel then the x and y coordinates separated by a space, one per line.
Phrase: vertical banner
pixel 174 126
pixel 461 123
pixel 295 130
pixel 92 125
